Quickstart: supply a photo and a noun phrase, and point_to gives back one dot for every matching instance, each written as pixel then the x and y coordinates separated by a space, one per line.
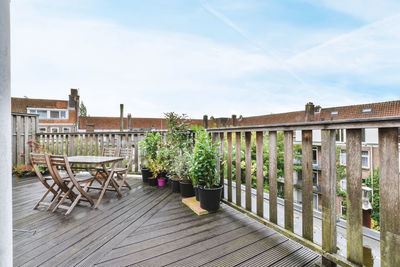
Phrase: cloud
pixel 367 53
pixel 366 10
pixel 152 72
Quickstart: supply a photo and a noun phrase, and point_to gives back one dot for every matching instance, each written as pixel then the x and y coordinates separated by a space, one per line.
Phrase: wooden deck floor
pixel 146 227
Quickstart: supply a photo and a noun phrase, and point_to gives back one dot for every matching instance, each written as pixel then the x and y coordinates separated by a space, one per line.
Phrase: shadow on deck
pixel 148 226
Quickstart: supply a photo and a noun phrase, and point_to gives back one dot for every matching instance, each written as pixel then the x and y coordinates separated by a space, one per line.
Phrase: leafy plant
pixel 22 170
pixel 149 147
pixel 181 166
pixel 204 160
pixel 374 199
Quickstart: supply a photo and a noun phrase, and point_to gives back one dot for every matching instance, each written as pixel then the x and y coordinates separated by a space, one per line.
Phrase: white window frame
pixel 66 128
pixel 48 110
pixel 316 172
pixel 315 202
pixel 343 184
pixel 57 128
pixel 341 135
pixel 342 157
pixel 316 155
pixel 342 208
pixel 362 156
pixel 42 128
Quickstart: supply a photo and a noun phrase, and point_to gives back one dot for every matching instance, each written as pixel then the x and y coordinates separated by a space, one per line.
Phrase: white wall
pixel 5 138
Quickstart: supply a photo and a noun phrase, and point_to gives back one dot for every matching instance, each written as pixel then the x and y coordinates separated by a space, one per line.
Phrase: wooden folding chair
pixel 80 182
pixel 106 152
pixel 122 171
pixel 47 181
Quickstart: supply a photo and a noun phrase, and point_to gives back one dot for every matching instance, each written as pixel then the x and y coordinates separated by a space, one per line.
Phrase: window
pixel 342 184
pixel 342 157
pixel 42 130
pixel 315 156
pixel 54 114
pixel 342 208
pixel 315 178
pixel 367 110
pixel 49 113
pixel 340 135
pixel 54 129
pixel 315 201
pixel 334 113
pixel 42 113
pixel 66 130
pixel 365 159
pixel 362 135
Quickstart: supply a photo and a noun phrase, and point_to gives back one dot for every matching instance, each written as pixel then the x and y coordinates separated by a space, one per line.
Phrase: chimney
pixel 129 122
pixel 234 120
pixel 309 113
pixel 73 99
pixel 121 117
pixel 205 121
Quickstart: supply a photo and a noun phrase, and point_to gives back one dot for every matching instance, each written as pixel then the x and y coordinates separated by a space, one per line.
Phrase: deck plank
pixel 148 226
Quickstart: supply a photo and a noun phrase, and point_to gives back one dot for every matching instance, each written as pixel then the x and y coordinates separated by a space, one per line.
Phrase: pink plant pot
pixel 161 182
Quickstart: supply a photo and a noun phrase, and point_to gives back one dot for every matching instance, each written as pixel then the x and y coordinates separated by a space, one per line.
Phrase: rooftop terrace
pixel 148 226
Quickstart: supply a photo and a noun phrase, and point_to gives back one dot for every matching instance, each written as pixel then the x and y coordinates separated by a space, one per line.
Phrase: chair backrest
pixel 36 160
pixel 109 151
pixel 54 163
pixel 61 161
pixel 127 154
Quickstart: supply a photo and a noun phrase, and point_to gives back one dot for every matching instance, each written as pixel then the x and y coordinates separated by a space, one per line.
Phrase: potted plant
pixel 181 167
pixel 164 159
pixel 149 148
pixel 179 141
pixel 203 170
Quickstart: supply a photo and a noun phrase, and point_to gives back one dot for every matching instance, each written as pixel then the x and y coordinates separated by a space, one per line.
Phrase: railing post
pixel 328 164
pixel 354 196
pixel 248 170
pixel 260 176
pixel 6 246
pixel 136 148
pixel 273 185
pixel 307 192
pixel 229 165
pixel 222 151
pixel 288 166
pixel 238 170
pixel 389 193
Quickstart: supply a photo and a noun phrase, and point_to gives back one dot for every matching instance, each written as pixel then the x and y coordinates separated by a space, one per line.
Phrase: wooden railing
pixel 91 143
pixel 388 129
pixel 24 128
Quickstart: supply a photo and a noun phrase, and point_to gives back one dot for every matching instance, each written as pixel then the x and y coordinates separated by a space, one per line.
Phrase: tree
pixel 82 110
pixel 374 199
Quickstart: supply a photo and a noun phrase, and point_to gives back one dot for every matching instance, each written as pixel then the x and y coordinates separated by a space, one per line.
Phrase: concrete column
pixel 5 138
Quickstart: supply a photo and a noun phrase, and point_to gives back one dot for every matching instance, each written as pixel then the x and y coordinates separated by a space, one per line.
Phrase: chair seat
pixel 81 177
pixel 118 169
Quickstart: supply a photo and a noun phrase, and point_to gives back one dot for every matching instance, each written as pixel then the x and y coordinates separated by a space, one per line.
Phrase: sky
pixel 214 57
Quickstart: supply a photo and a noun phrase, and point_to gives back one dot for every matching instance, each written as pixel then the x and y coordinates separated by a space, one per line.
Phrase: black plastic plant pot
pixel 196 193
pixel 153 181
pixel 146 174
pixel 175 186
pixel 210 198
pixel 186 188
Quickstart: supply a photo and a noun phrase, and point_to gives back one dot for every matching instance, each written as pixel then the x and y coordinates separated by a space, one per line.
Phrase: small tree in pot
pixel 181 167
pixel 149 147
pixel 203 171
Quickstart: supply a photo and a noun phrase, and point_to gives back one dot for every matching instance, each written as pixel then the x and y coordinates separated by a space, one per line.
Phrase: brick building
pixel 55 116
pixel 96 124
pixel 370 151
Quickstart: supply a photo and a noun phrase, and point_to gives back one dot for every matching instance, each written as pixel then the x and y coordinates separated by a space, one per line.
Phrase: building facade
pixel 55 116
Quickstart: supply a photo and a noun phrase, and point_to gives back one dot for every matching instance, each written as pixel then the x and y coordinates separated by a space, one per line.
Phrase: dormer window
pixel 367 110
pixel 334 113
